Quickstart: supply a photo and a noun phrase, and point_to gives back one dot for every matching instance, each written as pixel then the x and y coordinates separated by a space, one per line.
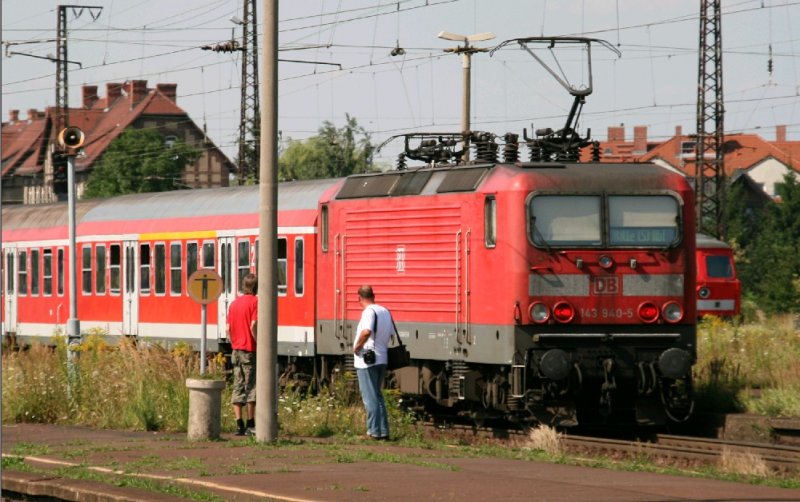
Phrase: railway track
pixel 782 459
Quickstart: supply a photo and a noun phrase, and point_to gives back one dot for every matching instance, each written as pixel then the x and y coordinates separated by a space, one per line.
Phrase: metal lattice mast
pixel 709 162
pixel 62 84
pixel 249 127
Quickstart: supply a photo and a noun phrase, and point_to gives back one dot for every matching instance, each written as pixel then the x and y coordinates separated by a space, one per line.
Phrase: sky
pixel 653 82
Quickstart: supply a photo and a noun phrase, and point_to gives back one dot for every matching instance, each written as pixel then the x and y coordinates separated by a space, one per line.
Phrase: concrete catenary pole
pixel 267 353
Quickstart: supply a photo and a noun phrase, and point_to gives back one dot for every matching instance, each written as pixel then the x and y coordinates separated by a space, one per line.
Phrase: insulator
pixel 511 148
pixel 401 162
pixel 485 147
pixel 596 151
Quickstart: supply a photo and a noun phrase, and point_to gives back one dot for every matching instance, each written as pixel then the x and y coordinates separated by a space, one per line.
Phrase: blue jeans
pixel 370 382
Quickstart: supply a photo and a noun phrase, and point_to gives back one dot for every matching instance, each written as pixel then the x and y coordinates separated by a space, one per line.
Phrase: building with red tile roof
pixel 26 163
pixel 764 162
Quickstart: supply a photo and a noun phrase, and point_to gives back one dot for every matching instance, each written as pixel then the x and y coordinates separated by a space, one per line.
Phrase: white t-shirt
pixel 385 332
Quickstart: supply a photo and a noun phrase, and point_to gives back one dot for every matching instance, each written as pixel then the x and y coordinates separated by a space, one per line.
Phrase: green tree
pixel 332 153
pixel 139 161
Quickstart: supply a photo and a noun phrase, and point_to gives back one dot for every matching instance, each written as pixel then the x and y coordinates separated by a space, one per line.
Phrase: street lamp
pixel 466 51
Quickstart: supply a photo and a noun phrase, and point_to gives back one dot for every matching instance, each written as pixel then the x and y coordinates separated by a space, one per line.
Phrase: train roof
pixel 706 241
pixel 572 177
pixel 294 195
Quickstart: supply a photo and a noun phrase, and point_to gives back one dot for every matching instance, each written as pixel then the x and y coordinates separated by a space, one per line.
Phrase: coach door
pixel 227 272
pixel 10 296
pixel 130 290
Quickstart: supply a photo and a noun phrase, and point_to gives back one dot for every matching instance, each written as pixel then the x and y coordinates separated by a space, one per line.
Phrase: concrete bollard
pixel 205 408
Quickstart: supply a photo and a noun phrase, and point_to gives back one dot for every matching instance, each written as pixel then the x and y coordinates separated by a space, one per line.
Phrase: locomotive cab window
pixel 565 220
pixel 643 220
pixel 324 228
pixel 719 267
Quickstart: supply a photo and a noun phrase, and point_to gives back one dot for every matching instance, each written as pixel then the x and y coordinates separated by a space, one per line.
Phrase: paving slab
pixel 329 470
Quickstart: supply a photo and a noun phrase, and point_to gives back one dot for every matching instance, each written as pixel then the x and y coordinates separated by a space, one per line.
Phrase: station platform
pixel 72 463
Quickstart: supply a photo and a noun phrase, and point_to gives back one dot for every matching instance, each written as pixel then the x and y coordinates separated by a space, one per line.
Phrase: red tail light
pixel 648 312
pixel 563 312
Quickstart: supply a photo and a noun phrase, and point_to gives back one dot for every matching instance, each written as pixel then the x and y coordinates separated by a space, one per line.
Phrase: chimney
pixel 678 131
pixel 13 115
pixel 616 134
pixel 89 95
pixel 137 90
pixel 113 92
pixel 169 91
pixel 640 139
pixel 33 114
pixel 780 134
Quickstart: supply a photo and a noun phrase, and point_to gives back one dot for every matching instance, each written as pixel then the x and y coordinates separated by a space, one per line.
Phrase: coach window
pixel 34 272
pixel 255 250
pixel 299 273
pixel 144 269
pixel 208 255
pixel 565 220
pixel 47 272
pixel 243 260
pixel 10 274
pixel 114 268
pixel 191 259
pixel 490 221
pixel 22 272
pixel 161 272
pixel 100 272
pixel 324 228
pixel 282 266
pixel 60 272
pixel 175 268
pixel 86 269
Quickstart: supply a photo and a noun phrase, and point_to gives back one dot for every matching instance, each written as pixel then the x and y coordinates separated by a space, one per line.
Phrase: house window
pixel 687 148
pixel 169 141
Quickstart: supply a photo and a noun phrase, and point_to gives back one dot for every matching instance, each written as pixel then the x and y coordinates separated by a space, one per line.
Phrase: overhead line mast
pixel 709 159
pixel 249 125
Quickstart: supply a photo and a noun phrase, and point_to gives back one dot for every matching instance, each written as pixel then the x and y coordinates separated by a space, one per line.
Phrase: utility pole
pixel 466 52
pixel 267 330
pixel 709 159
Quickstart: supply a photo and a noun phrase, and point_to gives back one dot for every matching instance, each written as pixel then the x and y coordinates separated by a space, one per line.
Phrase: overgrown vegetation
pixel 752 367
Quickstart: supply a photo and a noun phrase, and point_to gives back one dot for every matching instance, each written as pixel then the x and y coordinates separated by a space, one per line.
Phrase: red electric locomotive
pixel 718 289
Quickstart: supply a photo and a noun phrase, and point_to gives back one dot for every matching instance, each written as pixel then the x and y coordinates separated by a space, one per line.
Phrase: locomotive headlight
pixel 539 312
pixel 648 312
pixel 704 292
pixel 563 312
pixel 605 261
pixel 672 312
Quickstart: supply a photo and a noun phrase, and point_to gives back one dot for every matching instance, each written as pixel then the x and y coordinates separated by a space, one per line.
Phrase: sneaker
pixel 250 431
pixel 241 431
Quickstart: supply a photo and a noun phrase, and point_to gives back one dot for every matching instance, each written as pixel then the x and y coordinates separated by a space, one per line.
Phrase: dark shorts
pixel 244 377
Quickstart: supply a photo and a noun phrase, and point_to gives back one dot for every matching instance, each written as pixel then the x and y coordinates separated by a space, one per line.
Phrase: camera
pixel 369 356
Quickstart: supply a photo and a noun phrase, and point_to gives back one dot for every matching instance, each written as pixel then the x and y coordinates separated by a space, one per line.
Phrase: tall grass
pixel 121 386
pixel 751 367
pixel 124 386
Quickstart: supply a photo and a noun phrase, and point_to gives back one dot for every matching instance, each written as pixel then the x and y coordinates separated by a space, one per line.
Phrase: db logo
pixel 605 285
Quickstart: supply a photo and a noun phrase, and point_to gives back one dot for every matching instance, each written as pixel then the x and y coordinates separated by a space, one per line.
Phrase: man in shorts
pixel 242 320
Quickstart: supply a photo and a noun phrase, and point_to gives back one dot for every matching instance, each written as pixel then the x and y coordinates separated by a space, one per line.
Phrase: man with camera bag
pixel 370 348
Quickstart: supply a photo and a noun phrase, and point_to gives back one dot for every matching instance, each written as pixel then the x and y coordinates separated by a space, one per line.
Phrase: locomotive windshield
pixel 719 267
pixel 579 220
